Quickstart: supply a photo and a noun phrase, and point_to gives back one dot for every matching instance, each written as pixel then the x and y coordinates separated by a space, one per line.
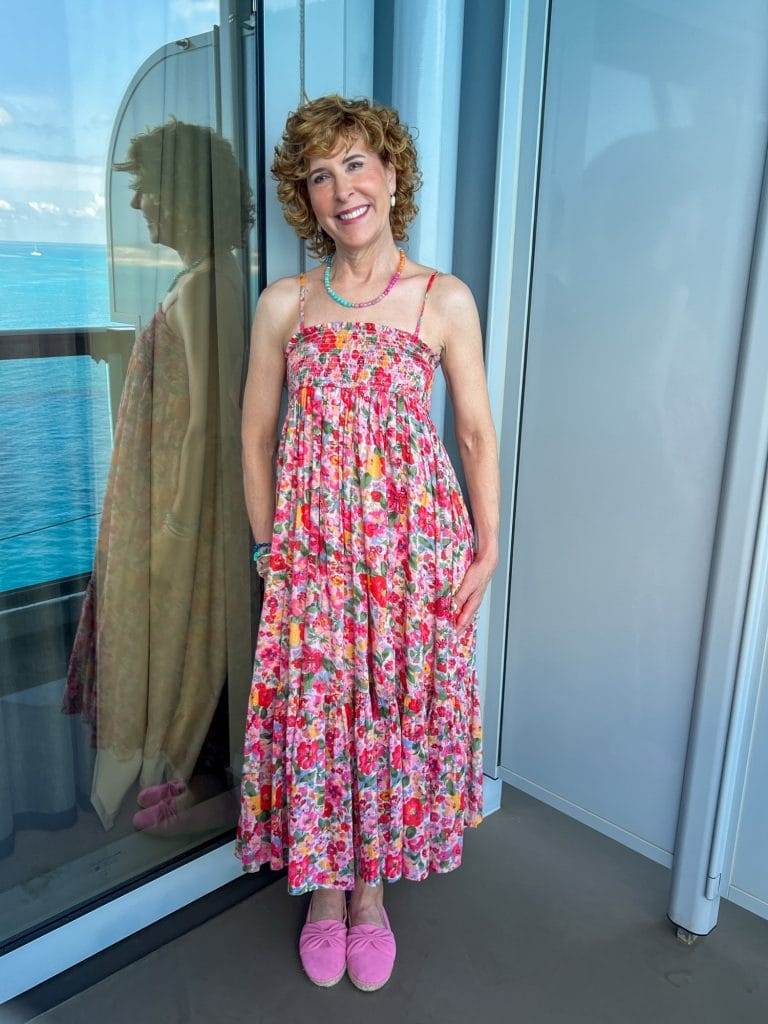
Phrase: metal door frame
pixel 521 113
pixel 733 641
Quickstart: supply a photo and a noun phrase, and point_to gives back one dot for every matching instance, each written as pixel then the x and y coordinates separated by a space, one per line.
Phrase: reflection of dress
pixel 363 731
pixel 149 658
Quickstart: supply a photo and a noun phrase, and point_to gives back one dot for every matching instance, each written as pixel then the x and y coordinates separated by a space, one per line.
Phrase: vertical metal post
pixel 731 635
pixel 517 168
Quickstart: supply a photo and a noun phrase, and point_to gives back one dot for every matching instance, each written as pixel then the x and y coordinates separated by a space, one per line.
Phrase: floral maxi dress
pixel 363 733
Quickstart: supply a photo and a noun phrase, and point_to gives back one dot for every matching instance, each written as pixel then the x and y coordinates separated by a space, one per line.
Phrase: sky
pixel 64 67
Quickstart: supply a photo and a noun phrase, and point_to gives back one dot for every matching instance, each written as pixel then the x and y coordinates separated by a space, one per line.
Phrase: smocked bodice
pixel 352 354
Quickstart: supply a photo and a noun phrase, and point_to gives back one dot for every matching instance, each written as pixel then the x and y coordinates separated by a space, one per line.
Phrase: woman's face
pixel 353 180
pixel 150 207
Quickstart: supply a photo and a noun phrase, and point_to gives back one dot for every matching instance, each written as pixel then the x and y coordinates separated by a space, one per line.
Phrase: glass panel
pixel 653 148
pixel 125 580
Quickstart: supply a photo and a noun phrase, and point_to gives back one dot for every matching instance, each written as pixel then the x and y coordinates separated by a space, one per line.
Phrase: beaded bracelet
pixel 261 548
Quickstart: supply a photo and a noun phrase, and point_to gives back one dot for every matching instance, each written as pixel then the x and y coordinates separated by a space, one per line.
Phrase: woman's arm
pixel 275 312
pixel 190 317
pixel 464 370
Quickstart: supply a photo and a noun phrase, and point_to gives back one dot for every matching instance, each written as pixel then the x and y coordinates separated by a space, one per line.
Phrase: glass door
pixel 127 219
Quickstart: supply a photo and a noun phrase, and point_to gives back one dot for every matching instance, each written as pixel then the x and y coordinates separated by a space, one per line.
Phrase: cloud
pixel 196 9
pixel 131 255
pixel 32 104
pixel 21 173
pixel 5 205
pixel 92 209
pixel 6 118
pixel 43 207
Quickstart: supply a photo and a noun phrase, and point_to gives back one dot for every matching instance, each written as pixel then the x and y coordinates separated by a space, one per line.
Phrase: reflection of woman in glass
pixel 150 656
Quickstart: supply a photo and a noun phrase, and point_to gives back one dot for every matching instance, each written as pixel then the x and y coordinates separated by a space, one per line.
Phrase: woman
pixel 363 734
pixel 150 656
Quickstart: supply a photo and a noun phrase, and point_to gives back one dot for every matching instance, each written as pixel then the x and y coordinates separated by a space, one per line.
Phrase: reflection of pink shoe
pixel 323 948
pixel 162 814
pixel 154 794
pixel 370 954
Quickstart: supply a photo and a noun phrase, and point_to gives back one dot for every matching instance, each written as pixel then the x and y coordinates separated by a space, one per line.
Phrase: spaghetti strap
pixel 424 302
pixel 302 296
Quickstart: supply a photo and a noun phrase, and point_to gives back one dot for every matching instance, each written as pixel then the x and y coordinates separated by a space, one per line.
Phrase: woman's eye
pixel 318 178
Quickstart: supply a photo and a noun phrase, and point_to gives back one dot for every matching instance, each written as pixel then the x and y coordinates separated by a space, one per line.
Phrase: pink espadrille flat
pixel 371 953
pixel 323 948
pixel 154 794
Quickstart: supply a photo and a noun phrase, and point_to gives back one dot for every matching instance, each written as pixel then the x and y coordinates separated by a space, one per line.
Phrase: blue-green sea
pixel 55 417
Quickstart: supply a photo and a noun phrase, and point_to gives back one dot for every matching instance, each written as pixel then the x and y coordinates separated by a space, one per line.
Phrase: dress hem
pixel 349 884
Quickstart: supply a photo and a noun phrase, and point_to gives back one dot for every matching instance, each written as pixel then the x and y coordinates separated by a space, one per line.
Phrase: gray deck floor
pixel 546 921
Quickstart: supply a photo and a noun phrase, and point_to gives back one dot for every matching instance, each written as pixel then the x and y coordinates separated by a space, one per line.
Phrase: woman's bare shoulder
pixel 459 316
pixel 281 294
pixel 453 291
pixel 447 286
pixel 277 308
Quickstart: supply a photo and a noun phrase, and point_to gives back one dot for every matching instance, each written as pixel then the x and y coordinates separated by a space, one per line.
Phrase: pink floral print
pixel 363 732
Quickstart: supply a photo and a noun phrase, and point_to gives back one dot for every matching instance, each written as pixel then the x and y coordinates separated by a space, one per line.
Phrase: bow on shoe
pixel 365 938
pixel 318 935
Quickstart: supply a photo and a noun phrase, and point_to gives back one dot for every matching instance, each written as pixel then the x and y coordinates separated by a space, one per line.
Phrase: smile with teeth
pixel 355 214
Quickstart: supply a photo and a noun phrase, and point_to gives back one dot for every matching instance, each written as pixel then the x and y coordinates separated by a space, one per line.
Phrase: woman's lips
pixel 355 220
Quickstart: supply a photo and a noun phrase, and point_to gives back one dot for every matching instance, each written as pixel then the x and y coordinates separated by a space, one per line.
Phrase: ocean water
pixel 55 417
pixel 66 286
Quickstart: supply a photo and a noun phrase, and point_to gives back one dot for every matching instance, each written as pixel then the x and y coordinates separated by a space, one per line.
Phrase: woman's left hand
pixel 469 596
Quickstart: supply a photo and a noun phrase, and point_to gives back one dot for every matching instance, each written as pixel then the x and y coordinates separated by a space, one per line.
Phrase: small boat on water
pixel 35 252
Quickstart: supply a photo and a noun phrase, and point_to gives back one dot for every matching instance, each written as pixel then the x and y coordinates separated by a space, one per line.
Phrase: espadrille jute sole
pixel 367 988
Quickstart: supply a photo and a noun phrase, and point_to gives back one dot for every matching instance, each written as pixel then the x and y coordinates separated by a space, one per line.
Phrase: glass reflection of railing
pixel 57 442
pixel 48 526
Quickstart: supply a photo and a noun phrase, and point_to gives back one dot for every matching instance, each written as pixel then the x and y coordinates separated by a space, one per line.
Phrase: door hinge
pixel 712 890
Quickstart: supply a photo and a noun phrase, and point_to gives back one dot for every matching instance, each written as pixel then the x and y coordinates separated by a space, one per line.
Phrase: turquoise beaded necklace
pixel 368 302
pixel 186 270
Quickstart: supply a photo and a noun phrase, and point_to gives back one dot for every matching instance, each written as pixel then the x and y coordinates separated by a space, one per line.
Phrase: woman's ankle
pixel 364 892
pixel 327 903
pixel 330 891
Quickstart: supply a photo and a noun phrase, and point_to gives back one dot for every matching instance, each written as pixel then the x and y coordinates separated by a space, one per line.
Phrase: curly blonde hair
pixel 315 129
pixel 194 173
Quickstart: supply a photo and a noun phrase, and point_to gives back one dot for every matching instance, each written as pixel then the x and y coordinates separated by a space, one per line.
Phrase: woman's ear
pixel 390 173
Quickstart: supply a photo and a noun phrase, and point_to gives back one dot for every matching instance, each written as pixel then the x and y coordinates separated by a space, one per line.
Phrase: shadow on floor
pixel 546 921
